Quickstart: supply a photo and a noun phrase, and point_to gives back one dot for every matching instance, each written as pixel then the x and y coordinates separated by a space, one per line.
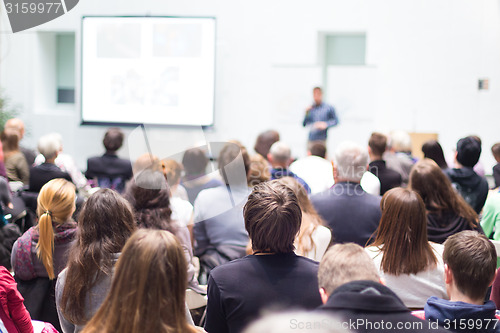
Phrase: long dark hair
pixel 433 150
pixel 148 289
pixel 105 223
pixel 150 197
pixel 427 179
pixel 402 233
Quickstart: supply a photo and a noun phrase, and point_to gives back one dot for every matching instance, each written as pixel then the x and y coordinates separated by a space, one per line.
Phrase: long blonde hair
pixel 56 204
pixel 148 289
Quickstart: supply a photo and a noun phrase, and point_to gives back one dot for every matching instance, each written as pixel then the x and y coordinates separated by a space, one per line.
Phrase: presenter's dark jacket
pixel 352 214
pixel 240 290
pixel 43 173
pixel 370 304
pixel 388 178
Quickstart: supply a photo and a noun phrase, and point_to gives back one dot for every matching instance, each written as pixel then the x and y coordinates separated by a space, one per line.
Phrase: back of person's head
pixel 280 153
pixel 351 161
pixel 468 151
pixel 272 217
pixel 172 171
pixel 344 263
pixel 148 289
pixel 146 162
pixel 15 124
pixel 234 164
pixel 55 205
pixel 195 161
pixel 113 139
pixel 429 181
pixel 495 150
pixel 318 148
pixel 10 140
pixel 377 143
pixel 105 223
pixel 264 142
pixel 259 170
pixel 402 233
pixel 301 193
pixel 297 322
pixel 49 145
pixel 399 141
pixel 472 259
pixel 433 150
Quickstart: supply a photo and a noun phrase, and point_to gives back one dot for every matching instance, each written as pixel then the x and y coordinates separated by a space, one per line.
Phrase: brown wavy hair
pixel 402 233
pixel 429 181
pixel 148 289
pixel 105 223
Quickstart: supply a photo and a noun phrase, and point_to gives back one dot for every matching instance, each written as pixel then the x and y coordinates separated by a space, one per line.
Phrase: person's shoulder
pixel 226 269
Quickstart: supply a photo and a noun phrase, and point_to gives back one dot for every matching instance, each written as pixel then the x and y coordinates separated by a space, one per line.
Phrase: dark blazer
pixel 109 170
pixel 388 178
pixel 43 173
pixel 352 214
pixel 367 304
pixel 496 175
pixel 240 290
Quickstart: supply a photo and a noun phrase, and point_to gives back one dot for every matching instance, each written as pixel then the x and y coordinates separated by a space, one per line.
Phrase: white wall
pixel 424 59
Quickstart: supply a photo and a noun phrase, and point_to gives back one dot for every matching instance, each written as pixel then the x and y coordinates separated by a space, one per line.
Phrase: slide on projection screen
pixel 148 70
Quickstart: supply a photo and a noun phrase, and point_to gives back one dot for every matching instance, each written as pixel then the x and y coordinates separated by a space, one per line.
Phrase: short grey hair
pixel 344 263
pixel 280 152
pixel 49 145
pixel 399 141
pixel 297 322
pixel 351 161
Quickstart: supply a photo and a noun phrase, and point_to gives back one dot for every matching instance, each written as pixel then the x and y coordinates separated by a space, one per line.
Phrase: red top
pixel 13 313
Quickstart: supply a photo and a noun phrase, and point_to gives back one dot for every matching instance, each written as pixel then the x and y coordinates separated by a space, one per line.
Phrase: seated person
pixel 108 170
pixel 472 187
pixel 18 125
pixel 496 169
pixel 388 177
pixel 48 146
pixel 398 154
pixel 195 180
pixel 274 276
pixel 280 157
pixel 264 142
pixel 470 264
pixel 351 288
pixel 15 163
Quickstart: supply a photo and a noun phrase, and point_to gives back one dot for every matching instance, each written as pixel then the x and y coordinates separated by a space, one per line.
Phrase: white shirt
pixel 321 238
pixel 317 172
pixel 370 183
pixel 415 289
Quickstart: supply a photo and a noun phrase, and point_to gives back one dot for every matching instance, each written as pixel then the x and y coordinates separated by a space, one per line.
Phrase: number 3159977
pixel 31 7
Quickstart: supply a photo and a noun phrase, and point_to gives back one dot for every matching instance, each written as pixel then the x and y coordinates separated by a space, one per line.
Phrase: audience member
pixel 472 187
pixel 351 289
pixel 148 290
pixel 66 163
pixel 259 170
pixel 105 222
pixel 479 167
pixel 432 150
pixel 48 145
pixel 388 178
pixel 3 172
pixel 280 157
pixel 15 163
pixel 41 253
pixel 297 322
pixel 195 180
pixel 18 125
pixel 352 214
pixel 150 199
pixel 398 154
pixel 264 142
pixel 490 219
pixel 316 171
pixel 239 290
pixel 173 172
pixel 108 170
pixel 314 238
pixel 496 169
pixel 411 266
pixel 470 263
pixel 219 228
pixel 447 211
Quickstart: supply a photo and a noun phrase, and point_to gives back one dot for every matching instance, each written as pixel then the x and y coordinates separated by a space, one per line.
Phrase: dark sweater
pixel 388 177
pixel 472 187
pixel 440 226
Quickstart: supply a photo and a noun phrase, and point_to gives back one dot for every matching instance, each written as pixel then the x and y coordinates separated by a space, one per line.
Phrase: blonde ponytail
pixel 45 245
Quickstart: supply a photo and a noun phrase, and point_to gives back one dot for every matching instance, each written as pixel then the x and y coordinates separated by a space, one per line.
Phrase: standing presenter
pixel 319 117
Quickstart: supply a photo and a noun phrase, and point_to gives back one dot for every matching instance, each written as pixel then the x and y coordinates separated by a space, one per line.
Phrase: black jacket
pixel 43 173
pixel 109 170
pixel 367 306
pixel 388 177
pixel 352 214
pixel 442 225
pixel 472 187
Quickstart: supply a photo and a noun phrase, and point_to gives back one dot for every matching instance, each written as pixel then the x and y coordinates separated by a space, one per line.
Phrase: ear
pixel 270 158
pixel 334 170
pixel 382 281
pixel 494 278
pixel 324 295
pixel 448 274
